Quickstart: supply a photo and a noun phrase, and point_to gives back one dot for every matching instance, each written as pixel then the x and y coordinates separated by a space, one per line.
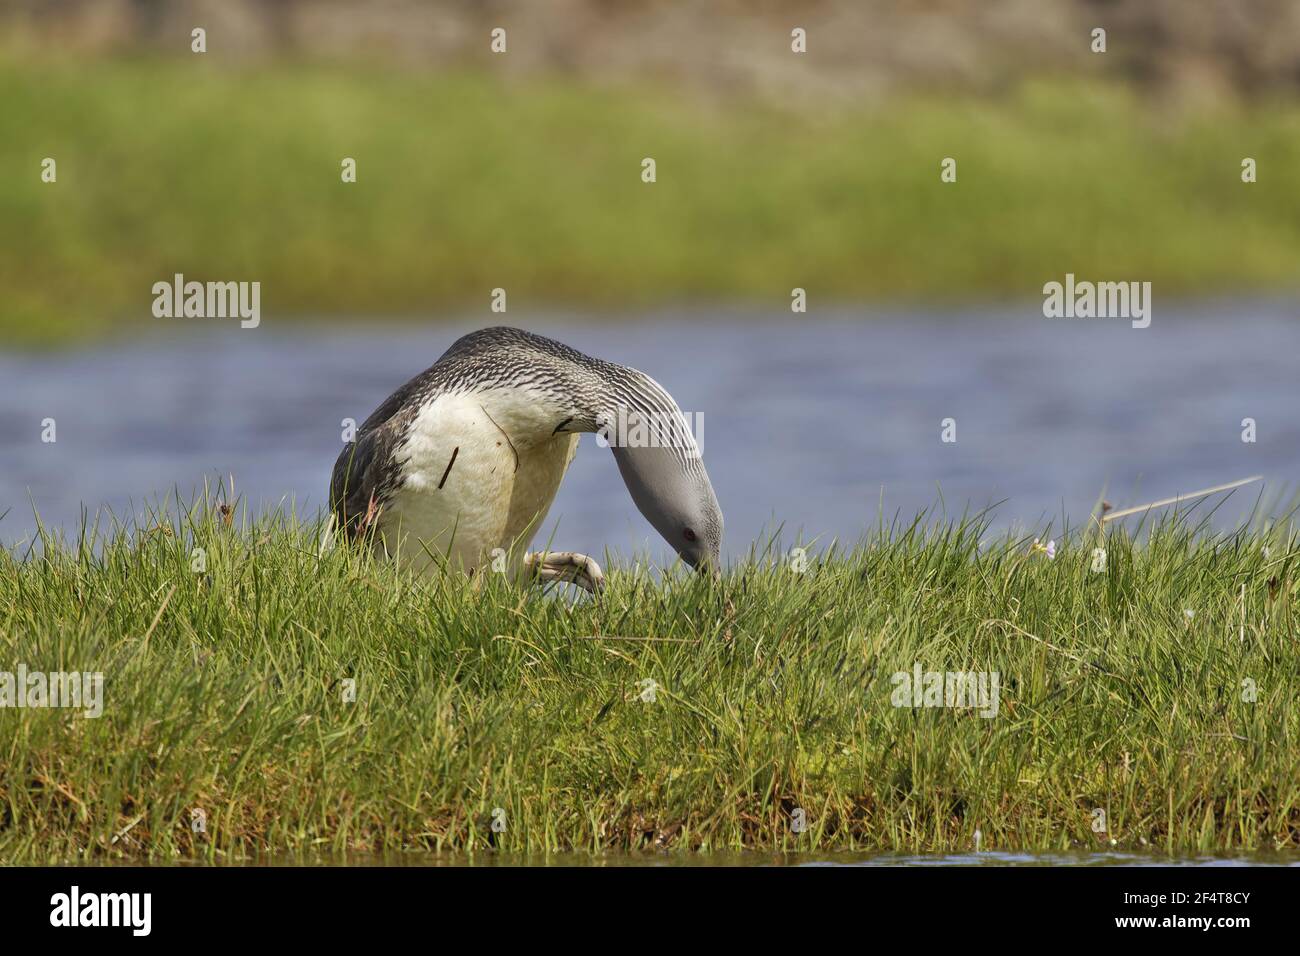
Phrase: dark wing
pixel 367 472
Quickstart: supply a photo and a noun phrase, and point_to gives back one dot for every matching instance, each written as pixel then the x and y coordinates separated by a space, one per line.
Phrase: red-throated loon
pixel 460 465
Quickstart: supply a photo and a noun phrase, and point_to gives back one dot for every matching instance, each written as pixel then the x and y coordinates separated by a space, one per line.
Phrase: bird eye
pixel 690 534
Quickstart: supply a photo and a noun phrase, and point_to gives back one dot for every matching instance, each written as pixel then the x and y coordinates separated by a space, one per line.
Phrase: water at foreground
pixel 817 422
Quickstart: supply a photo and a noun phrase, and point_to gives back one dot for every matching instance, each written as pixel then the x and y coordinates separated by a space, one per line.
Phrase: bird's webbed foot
pixel 567 566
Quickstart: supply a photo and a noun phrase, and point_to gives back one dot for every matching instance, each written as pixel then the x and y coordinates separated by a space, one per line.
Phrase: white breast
pixel 507 467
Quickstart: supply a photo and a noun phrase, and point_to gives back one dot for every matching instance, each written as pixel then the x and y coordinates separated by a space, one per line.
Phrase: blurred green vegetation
pixel 468 182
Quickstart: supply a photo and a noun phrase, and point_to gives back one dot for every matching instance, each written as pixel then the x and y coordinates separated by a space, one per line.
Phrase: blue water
pixel 815 422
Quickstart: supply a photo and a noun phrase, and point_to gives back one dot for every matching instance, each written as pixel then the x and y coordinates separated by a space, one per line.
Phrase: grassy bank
pixel 468 182
pixel 224 692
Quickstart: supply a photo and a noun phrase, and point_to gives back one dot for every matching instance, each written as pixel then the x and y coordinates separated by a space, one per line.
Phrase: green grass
pixel 468 182
pixel 224 692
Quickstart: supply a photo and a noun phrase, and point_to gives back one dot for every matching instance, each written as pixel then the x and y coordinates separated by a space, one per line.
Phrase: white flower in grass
pixel 1048 549
pixel 1188 613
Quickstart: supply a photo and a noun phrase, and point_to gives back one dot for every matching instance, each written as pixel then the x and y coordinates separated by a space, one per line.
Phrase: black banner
pixel 304 905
